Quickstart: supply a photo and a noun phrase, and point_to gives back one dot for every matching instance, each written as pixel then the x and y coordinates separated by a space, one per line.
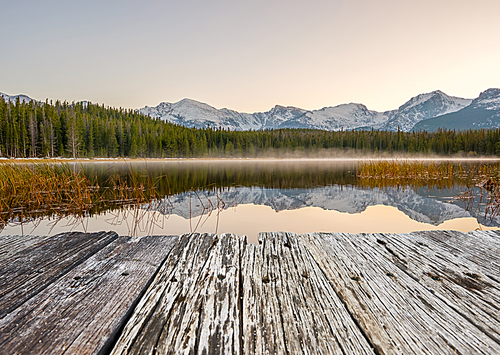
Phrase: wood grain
pixel 432 292
pixel 83 310
pixel 289 307
pixel 394 303
pixel 12 244
pixel 193 304
pixel 31 270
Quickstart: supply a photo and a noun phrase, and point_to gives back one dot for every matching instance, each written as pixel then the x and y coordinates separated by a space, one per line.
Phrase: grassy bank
pixel 32 191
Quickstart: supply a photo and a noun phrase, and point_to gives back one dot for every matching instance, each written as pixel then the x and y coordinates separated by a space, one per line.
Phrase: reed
pixel 419 173
pixel 406 173
pixel 478 183
pixel 33 191
pixel 30 190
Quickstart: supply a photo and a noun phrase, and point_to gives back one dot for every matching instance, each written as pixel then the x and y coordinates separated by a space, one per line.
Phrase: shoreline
pixel 202 159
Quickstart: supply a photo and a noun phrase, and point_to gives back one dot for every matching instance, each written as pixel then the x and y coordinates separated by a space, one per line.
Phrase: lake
pixel 251 196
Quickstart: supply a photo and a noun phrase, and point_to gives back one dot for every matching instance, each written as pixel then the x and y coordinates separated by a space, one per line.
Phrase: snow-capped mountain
pixel 278 116
pixel 192 113
pixel 483 112
pixel 13 98
pixel 348 199
pixel 422 107
pixel 346 116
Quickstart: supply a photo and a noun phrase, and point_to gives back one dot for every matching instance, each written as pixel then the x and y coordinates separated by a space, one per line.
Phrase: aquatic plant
pixel 382 173
pixel 30 192
pixel 478 183
pixel 39 189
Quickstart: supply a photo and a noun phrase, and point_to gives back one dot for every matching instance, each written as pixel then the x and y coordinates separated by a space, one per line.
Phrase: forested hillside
pixel 64 129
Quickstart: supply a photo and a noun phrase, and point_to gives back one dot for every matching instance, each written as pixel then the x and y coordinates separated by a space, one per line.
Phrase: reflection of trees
pixel 175 178
pixel 126 188
pixel 123 188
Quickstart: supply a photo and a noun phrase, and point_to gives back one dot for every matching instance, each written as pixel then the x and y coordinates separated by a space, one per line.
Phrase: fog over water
pixel 250 196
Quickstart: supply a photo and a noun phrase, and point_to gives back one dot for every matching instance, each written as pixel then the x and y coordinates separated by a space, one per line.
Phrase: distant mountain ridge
pixel 191 113
pixel 483 112
pixel 428 112
pixel 421 108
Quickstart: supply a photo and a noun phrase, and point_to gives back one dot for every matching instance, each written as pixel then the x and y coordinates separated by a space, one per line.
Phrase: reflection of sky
pixel 248 211
pixel 349 199
pixel 299 208
pixel 251 219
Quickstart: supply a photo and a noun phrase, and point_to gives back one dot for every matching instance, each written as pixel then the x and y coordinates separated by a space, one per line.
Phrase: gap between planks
pixel 328 293
pixel 83 308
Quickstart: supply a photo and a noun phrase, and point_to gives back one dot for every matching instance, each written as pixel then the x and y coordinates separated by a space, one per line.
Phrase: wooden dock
pixel 327 293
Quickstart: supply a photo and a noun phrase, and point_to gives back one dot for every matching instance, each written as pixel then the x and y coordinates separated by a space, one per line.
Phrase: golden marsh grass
pixel 478 183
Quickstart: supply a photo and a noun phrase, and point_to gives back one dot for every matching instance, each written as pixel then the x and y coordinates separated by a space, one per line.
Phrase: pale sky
pixel 249 55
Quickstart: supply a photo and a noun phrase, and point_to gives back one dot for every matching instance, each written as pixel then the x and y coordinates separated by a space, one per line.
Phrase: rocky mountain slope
pixel 192 113
pixel 422 107
pixel 483 112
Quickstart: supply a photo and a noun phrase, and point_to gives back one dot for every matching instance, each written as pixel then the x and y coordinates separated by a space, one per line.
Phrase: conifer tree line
pixel 61 129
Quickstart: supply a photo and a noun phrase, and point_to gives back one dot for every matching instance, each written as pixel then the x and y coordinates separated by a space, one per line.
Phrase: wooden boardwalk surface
pixel 327 293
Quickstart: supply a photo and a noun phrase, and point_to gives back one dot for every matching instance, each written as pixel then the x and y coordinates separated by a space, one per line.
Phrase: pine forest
pixel 86 130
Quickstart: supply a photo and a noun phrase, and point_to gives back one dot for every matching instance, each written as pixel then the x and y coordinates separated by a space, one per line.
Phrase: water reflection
pixel 247 197
pixel 346 199
pixel 179 176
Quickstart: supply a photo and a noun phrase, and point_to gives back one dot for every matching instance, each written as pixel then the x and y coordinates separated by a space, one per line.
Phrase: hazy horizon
pixel 222 107
pixel 249 56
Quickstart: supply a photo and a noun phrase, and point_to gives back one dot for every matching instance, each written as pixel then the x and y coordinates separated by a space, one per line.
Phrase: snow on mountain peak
pixel 490 93
pixel 422 107
pixel 13 98
pixel 488 100
pixel 192 113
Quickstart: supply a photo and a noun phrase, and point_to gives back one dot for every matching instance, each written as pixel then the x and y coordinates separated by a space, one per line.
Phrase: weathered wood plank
pixel 31 270
pixel 397 313
pixel 82 311
pixel 480 247
pixel 289 307
pixel 12 244
pixel 192 306
pixel 450 274
pixel 330 293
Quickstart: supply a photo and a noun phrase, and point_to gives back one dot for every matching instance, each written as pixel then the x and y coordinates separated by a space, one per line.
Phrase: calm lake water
pixel 248 196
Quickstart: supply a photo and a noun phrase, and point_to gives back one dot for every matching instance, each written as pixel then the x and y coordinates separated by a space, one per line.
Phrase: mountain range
pixel 436 108
pixel 428 111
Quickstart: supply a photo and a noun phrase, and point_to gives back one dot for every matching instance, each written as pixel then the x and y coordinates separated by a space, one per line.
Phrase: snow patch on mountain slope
pixel 346 116
pixel 488 100
pixel 422 107
pixel 350 116
pixel 192 113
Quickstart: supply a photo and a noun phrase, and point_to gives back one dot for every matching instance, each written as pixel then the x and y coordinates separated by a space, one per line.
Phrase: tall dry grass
pixel 30 190
pixel 431 174
pixel 478 183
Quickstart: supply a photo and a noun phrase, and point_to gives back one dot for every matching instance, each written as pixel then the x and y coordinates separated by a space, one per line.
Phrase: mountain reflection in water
pixel 243 196
pixel 347 199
